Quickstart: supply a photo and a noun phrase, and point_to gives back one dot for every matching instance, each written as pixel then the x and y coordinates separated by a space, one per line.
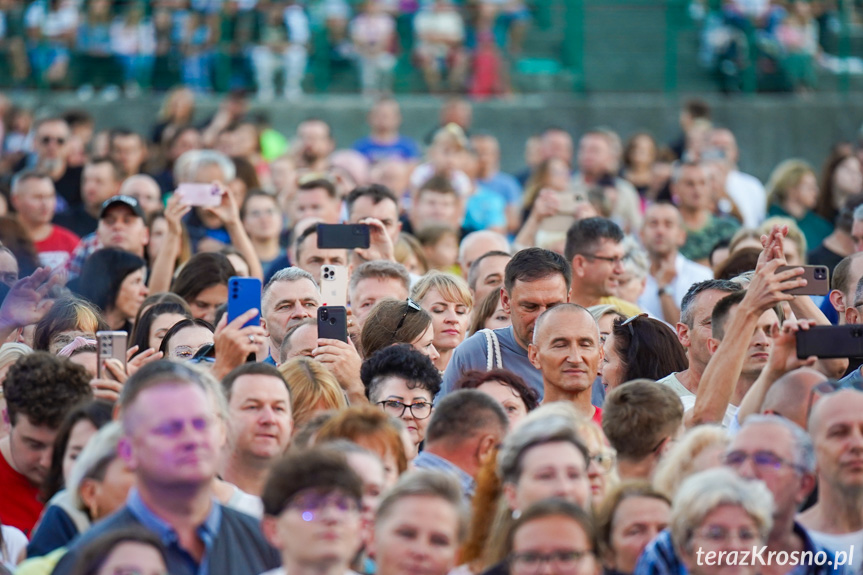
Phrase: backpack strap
pixel 494 359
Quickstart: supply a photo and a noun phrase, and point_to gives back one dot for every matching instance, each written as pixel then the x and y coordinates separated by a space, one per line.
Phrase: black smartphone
pixel 830 341
pixel 343 236
pixel 333 323
pixel 817 280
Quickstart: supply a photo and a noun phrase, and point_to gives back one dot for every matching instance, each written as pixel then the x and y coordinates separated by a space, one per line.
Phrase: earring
pixel 516 513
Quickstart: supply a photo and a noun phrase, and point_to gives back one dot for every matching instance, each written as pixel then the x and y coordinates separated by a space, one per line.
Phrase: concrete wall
pixel 769 128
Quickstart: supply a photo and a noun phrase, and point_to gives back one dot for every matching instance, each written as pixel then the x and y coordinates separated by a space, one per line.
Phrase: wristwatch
pixel 661 291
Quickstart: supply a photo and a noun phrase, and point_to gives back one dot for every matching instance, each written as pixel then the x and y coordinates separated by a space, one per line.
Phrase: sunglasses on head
pixel 629 321
pixel 410 306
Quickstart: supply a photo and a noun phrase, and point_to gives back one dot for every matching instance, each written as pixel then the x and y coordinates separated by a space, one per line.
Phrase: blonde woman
pixel 313 389
pixel 709 507
pixel 448 300
pixel 792 192
pixel 698 450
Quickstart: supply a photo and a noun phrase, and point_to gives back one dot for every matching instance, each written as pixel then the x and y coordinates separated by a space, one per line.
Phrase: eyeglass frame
pixel 406 407
pixel 411 305
pixel 325 496
pixel 579 556
pixel 780 461
pixel 610 260
pixel 60 141
pixel 597 457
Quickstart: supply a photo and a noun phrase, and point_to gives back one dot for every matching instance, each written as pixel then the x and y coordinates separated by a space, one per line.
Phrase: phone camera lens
pixel 820 274
pixel 324 314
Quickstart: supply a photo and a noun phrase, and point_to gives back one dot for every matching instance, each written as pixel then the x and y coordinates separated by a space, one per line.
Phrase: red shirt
pixel 597 417
pixel 19 499
pixel 55 250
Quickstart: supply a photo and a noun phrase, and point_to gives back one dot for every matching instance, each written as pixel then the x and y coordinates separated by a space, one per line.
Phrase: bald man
pixel 787 396
pixel 146 190
pixel 836 428
pixel 567 350
pixel 475 244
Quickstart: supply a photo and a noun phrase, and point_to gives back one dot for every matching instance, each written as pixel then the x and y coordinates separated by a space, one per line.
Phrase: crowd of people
pixel 260 45
pixel 587 365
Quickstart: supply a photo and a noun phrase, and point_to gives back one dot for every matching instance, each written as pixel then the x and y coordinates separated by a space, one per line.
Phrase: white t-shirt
pixel 246 503
pixel 687 273
pixel 749 196
pixel 459 180
pixel 687 398
pixel 14 542
pixel 849 543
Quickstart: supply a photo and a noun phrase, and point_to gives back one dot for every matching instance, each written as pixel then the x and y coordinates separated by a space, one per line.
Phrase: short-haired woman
pixel 449 301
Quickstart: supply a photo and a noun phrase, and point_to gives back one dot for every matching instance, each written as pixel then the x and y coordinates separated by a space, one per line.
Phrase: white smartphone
pixel 110 344
pixel 206 195
pixel 334 285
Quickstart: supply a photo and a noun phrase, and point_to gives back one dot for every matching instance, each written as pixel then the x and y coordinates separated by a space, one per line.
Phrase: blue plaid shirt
pixel 426 460
pixel 660 557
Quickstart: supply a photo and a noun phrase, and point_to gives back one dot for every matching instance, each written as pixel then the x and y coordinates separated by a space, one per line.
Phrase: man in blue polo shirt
pixel 172 440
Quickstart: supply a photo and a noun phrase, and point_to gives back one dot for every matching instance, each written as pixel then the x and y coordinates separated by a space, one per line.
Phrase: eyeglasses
pixel 604 460
pixel 763 460
pixel 411 306
pixel 717 534
pixel 563 561
pixel 629 321
pixel 615 261
pixel 311 503
pixel 669 438
pixel 205 354
pixel 48 139
pixel 419 410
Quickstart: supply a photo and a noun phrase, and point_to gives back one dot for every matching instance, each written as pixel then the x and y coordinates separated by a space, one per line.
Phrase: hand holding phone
pixel 817 280
pixel 203 195
pixel 110 344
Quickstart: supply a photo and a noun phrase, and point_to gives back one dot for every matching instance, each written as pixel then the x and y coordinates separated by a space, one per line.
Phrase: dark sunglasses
pixel 48 139
pixel 410 306
pixel 206 354
pixel 629 321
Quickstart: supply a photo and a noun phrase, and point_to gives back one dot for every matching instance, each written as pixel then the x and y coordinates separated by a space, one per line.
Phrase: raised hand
pixel 380 244
pixel 28 300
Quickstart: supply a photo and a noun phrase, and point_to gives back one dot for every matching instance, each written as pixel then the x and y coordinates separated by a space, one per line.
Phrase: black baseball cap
pixel 127 201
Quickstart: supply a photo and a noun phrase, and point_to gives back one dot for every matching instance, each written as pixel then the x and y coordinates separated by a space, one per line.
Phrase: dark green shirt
pixel 814 227
pixel 699 243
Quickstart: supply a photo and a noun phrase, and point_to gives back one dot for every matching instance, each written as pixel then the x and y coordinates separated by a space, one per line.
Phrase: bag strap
pixel 494 359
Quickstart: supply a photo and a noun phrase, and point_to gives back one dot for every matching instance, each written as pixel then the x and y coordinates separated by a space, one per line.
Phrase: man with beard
pixel 315 144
